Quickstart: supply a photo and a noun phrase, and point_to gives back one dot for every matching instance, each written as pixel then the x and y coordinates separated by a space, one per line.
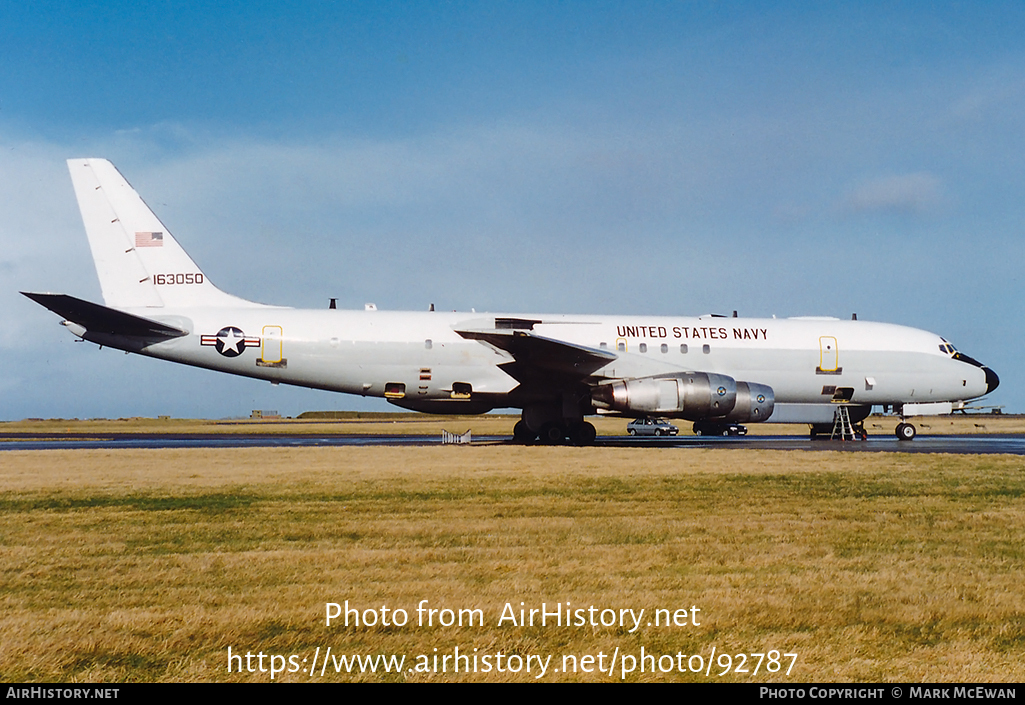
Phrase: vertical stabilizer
pixel 138 261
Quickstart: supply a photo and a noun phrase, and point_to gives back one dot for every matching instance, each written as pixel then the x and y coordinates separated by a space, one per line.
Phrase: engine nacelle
pixel 687 395
pixel 755 403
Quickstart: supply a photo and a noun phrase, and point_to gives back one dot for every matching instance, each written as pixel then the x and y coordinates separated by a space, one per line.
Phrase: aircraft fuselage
pixel 360 352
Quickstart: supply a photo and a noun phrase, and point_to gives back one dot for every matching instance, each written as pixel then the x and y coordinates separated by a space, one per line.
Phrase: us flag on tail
pixel 149 239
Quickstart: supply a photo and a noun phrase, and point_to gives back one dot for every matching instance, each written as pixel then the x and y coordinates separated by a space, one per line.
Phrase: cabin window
pixel 621 347
pixel 664 348
pixel 644 347
pixel 705 349
pixel 684 348
pixel 428 344
pixel 603 346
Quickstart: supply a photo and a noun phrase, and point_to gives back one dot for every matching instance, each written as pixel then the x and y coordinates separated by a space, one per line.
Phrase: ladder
pixel 842 426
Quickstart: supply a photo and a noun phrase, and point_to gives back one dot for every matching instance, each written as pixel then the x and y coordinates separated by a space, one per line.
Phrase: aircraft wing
pixel 100 319
pixel 538 357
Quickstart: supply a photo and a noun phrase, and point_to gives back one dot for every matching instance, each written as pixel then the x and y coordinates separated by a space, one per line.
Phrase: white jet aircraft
pixel 716 371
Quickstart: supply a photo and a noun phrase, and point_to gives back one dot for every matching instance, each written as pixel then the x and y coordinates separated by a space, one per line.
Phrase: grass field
pixel 369 423
pixel 147 565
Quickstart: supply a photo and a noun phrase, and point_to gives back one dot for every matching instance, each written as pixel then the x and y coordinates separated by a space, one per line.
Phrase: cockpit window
pixel 947 348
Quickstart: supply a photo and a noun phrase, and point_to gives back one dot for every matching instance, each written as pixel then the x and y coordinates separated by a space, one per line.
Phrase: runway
pixel 1012 444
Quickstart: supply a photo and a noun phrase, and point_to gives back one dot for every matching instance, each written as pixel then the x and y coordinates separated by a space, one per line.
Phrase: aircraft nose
pixel 992 381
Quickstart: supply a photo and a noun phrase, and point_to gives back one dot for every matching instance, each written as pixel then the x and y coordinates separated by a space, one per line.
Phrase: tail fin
pixel 138 262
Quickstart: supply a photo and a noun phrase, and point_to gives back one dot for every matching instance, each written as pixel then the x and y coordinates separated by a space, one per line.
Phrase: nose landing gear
pixel 905 431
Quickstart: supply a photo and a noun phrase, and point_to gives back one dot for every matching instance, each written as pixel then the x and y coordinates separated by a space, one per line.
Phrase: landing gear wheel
pixel 905 431
pixel 582 434
pixel 523 434
pixel 552 434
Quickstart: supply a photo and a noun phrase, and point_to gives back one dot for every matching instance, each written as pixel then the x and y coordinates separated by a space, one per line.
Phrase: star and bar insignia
pixel 230 341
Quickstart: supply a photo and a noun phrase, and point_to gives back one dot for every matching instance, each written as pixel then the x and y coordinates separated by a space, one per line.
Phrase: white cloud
pixel 998 95
pixel 920 192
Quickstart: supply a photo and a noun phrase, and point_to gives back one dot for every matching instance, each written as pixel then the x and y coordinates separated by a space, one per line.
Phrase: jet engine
pixel 687 395
pixel 755 402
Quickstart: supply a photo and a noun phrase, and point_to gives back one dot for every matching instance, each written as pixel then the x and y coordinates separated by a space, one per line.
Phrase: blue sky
pixel 662 158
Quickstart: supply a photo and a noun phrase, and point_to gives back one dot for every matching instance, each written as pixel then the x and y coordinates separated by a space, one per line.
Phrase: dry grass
pixel 148 564
pixel 365 423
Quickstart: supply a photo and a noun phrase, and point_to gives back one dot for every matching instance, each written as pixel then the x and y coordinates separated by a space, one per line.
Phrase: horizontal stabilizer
pixel 100 319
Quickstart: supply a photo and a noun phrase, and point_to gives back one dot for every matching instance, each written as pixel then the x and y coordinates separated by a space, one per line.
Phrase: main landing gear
pixel 579 433
pixel 905 431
